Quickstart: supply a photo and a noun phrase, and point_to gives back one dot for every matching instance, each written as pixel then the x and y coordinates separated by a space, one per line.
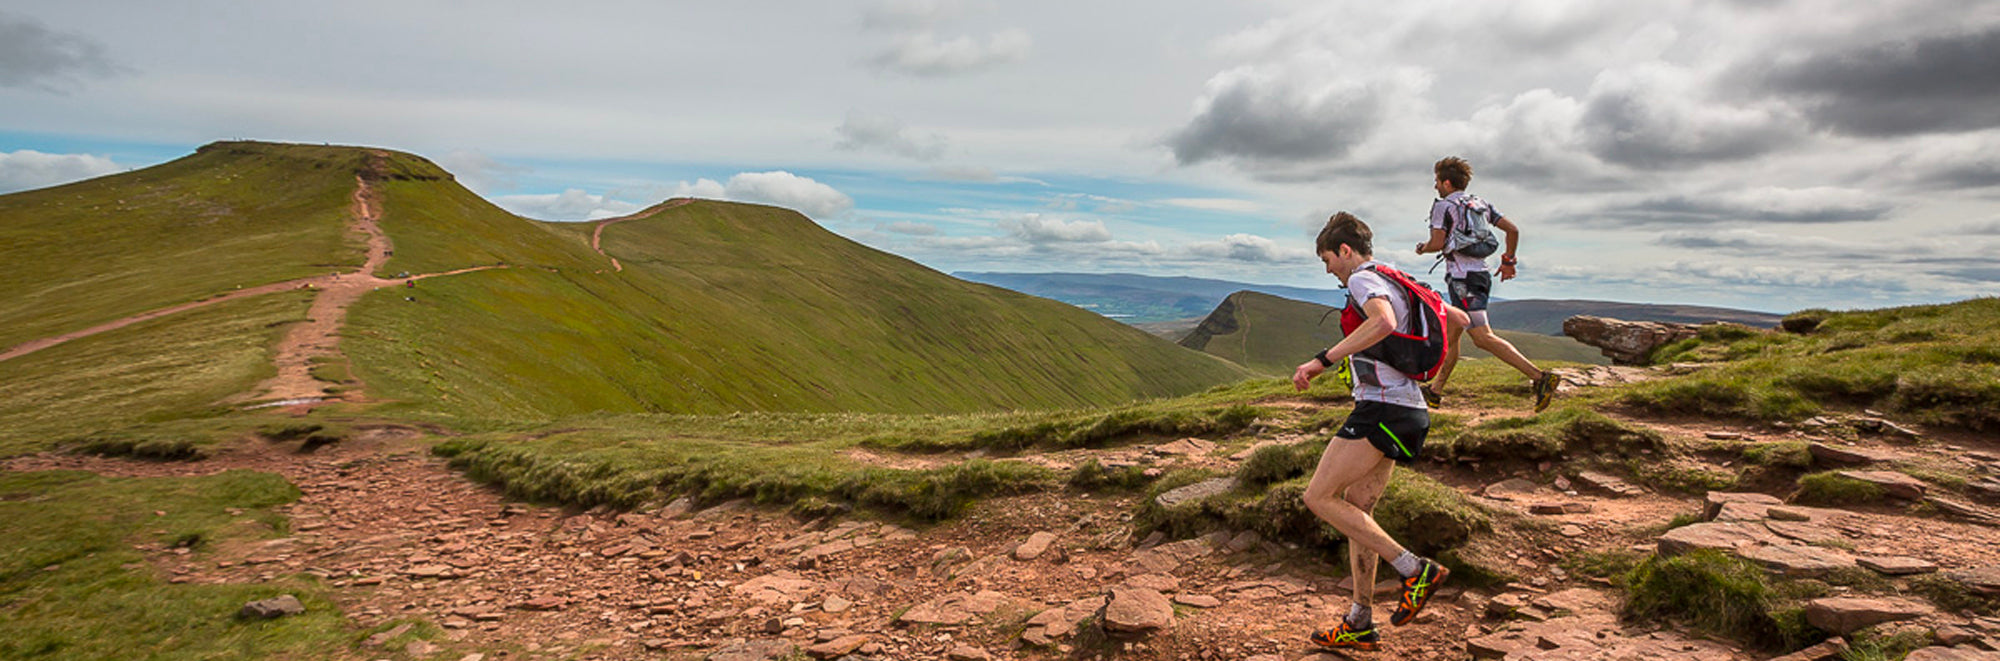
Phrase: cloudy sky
pixel 1766 154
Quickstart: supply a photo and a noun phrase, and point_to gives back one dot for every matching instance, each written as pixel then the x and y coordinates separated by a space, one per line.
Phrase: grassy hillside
pixel 1936 363
pixel 231 215
pixel 1273 335
pixel 724 307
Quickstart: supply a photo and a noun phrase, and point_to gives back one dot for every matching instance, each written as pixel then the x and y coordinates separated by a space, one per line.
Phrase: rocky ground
pixel 407 542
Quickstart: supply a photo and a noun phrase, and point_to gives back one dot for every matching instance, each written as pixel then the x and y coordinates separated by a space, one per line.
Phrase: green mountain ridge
pixel 720 306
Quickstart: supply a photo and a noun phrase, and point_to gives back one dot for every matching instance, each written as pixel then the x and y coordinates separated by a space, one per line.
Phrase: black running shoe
pixel 1544 390
pixel 1346 637
pixel 1417 591
pixel 1432 398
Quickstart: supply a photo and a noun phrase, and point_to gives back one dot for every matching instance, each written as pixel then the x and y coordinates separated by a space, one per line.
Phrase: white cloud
pixel 787 190
pixel 28 169
pixel 1248 248
pixel 571 204
pixel 1036 229
pixel 1216 204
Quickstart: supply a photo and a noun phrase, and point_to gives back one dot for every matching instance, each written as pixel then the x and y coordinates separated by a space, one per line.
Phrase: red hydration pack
pixel 1417 356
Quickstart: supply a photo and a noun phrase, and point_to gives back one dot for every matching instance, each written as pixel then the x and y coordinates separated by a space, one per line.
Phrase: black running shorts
pixel 1469 293
pixel 1398 431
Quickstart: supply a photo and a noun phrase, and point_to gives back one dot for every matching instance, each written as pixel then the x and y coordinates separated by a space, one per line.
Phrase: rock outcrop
pixel 1626 342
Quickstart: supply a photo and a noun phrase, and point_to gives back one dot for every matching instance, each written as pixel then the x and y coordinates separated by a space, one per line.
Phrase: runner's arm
pixel 1435 244
pixel 1513 241
pixel 1378 325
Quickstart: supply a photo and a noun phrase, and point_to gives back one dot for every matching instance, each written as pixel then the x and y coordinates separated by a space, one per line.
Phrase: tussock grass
pixel 1875 646
pixel 1096 430
pixel 1717 593
pixel 1938 364
pixel 1785 454
pixel 1424 514
pixel 1092 475
pixel 586 470
pixel 1951 595
pixel 1830 488
pixel 1557 433
pixel 66 538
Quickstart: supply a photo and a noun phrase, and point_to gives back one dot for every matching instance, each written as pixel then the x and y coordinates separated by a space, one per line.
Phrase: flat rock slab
pixel 1609 483
pixel 1511 489
pixel 1804 531
pixel 1716 499
pixel 1741 512
pixel 1797 560
pixel 1987 489
pixel 1845 615
pixel 1898 565
pixel 1196 491
pixel 1896 484
pixel 1591 637
pixel 1721 536
pixel 275 607
pixel 1965 510
pixel 1137 611
pixel 781 587
pixel 1962 653
pixel 1983 580
pixel 1831 649
pixel 838 647
pixel 1841 455
pixel 1194 446
pixel 1036 545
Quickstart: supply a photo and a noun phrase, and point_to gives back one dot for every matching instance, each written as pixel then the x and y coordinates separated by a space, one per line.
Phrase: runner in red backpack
pixel 1388 424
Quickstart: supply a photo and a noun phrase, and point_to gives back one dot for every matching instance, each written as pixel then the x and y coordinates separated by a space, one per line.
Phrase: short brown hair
pixel 1344 229
pixel 1455 170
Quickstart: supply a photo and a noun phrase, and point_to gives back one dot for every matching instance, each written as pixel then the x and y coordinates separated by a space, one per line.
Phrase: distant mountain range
pixel 1138 299
pixel 1171 306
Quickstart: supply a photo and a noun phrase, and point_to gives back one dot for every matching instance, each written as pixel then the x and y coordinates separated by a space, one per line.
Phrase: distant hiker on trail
pixel 1396 330
pixel 1460 236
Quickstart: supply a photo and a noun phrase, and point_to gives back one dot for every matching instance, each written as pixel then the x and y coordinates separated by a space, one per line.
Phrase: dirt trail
pixel 319 335
pixel 597 234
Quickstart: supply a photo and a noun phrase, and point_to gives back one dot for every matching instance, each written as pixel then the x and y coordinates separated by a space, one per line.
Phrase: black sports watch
pixel 1323 360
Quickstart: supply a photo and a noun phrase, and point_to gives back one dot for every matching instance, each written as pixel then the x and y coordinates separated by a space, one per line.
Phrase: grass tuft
pixel 1717 593
pixel 1831 488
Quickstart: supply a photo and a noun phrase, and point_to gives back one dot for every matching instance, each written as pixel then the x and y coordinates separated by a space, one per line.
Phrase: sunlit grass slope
pixel 229 215
pixel 723 307
pixel 175 368
pixel 1273 335
pixel 1936 363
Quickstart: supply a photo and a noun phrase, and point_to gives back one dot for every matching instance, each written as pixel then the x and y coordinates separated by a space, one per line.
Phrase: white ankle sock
pixel 1407 564
pixel 1359 616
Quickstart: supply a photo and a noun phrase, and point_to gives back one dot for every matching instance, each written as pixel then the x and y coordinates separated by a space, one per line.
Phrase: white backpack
pixel 1471 233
